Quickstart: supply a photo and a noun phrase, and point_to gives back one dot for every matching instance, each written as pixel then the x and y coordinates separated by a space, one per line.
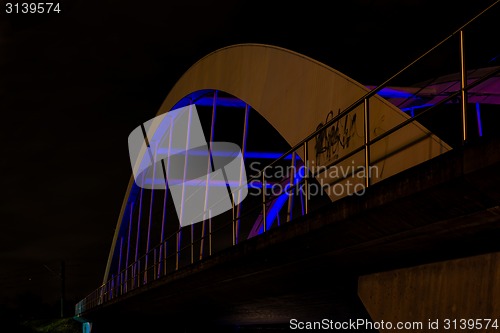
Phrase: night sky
pixel 73 85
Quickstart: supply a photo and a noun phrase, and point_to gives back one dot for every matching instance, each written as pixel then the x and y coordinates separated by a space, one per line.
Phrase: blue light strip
pixel 274 211
pixel 278 203
pixel 394 93
pixel 412 108
pixel 248 154
pixel 479 122
pixel 266 155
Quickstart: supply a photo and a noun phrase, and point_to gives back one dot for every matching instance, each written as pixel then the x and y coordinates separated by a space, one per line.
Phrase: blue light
pixel 205 98
pixel 388 92
pixel 479 122
pixel 412 108
pixel 249 154
pixel 274 211
pixel 258 184
pixel 266 155
pixel 280 201
pixel 232 102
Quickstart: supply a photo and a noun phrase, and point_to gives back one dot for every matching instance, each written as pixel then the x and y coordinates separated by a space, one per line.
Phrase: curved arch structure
pixel 296 95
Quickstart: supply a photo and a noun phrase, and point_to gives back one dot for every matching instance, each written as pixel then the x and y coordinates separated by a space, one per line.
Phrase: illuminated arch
pixel 296 94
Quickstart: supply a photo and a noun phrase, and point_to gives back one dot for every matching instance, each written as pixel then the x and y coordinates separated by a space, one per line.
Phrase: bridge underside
pixel 308 269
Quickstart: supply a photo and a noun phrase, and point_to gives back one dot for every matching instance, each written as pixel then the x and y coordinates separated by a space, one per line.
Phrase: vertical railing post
pixel 131 208
pixel 138 273
pixel 367 140
pixel 155 266
pixel 129 277
pixel 202 240
pixel 233 220
pixel 463 83
pixel 209 170
pixel 119 272
pixel 306 177
pixel 177 248
pixel 209 232
pixel 184 181
pixel 132 274
pixel 242 171
pixel 292 189
pixel 192 243
pixel 165 253
pixel 159 261
pixel 153 156
pixel 166 171
pixel 264 210
pixel 138 235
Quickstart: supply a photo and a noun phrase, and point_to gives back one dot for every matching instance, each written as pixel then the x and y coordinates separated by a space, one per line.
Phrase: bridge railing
pixel 183 248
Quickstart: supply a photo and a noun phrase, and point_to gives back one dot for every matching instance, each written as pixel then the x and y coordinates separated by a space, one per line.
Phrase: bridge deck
pixel 447 207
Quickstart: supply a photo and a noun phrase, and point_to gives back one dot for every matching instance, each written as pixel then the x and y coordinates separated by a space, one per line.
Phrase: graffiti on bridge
pixel 337 137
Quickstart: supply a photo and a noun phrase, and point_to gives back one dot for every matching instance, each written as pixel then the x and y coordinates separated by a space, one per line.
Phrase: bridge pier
pixel 443 293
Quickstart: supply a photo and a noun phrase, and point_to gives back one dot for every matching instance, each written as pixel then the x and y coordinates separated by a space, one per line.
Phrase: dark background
pixel 73 85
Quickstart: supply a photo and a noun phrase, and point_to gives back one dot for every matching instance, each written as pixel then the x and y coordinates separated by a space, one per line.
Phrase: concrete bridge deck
pixel 308 269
